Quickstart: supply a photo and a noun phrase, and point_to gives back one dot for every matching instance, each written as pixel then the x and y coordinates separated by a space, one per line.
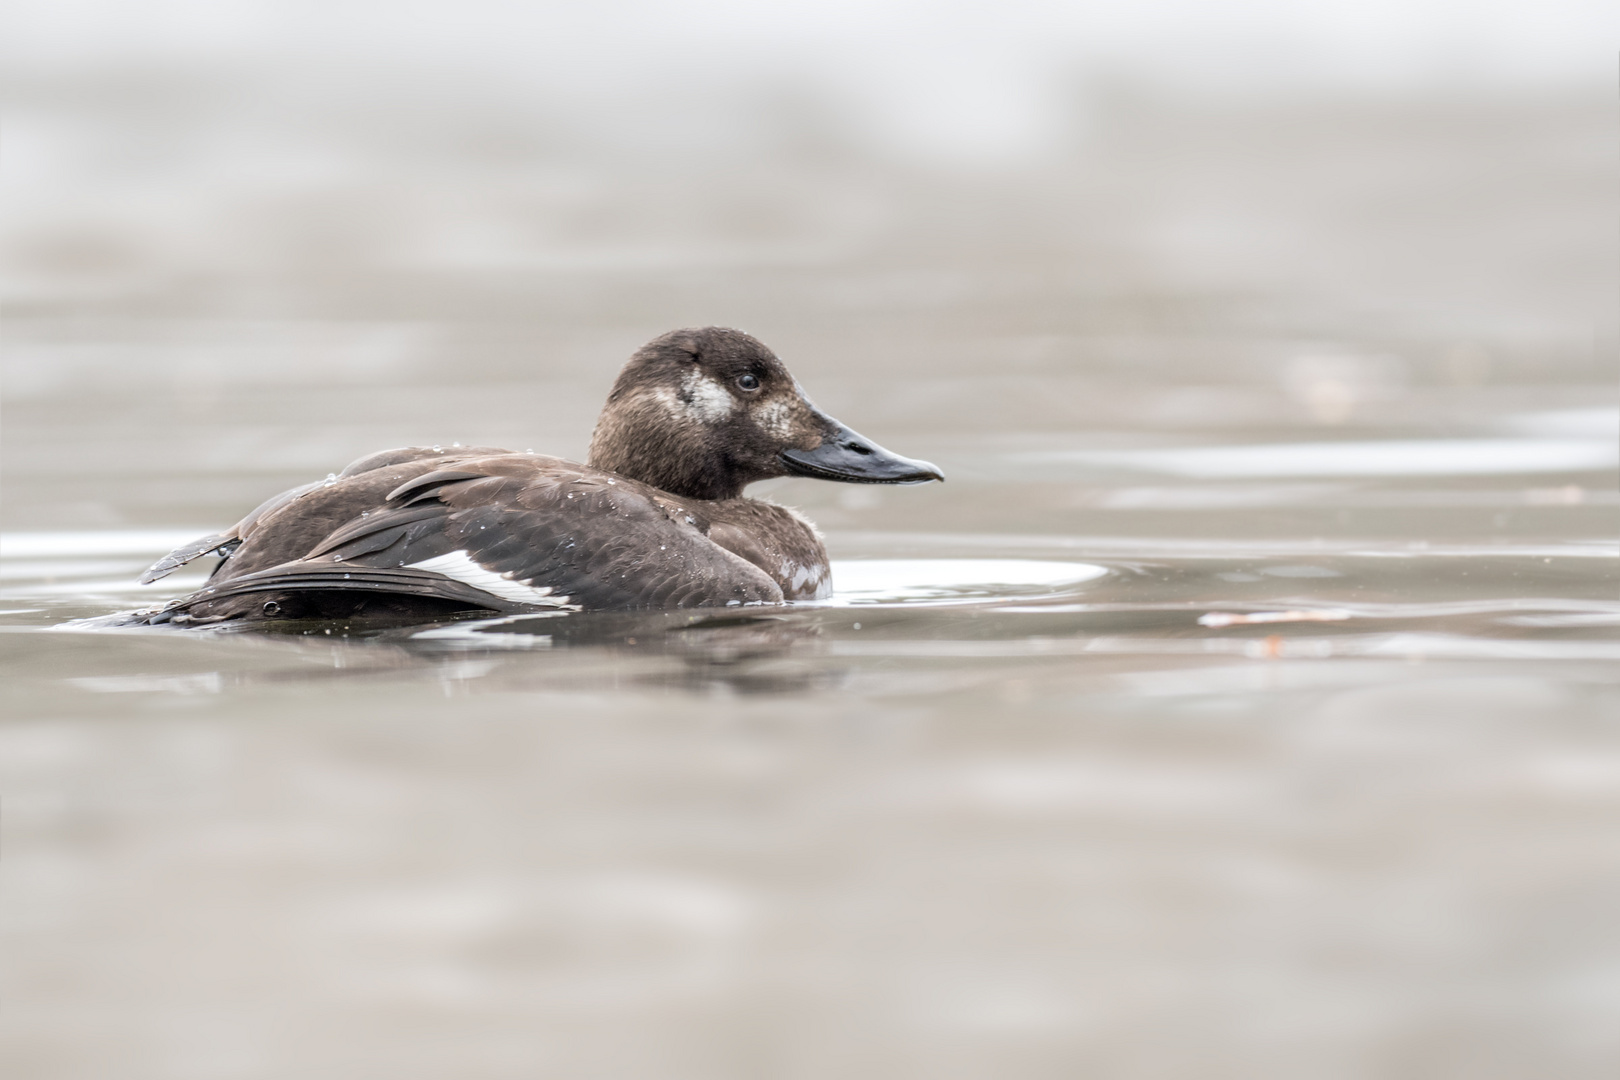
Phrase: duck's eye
pixel 748 382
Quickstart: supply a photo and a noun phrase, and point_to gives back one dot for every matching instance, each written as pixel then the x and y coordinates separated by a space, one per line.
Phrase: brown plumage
pixel 657 519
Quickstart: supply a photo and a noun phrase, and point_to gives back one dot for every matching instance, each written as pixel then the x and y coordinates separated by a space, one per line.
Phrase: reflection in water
pixel 1191 604
pixel 624 813
pixel 890 581
pixel 602 819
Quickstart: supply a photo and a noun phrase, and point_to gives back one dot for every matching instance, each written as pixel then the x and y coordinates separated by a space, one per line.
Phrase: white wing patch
pixel 458 566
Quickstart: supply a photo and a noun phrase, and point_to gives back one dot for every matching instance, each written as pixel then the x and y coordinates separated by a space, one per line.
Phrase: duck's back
pixel 420 531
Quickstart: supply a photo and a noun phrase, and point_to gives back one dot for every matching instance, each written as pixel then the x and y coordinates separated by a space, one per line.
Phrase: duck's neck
pixel 633 440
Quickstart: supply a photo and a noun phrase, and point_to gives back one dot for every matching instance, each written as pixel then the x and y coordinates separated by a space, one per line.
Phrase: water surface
pixel 1245 704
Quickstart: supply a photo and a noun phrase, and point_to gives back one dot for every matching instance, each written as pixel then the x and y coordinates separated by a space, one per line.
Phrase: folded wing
pixel 506 532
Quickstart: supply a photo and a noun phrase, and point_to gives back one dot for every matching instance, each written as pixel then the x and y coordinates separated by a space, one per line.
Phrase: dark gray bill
pixel 851 459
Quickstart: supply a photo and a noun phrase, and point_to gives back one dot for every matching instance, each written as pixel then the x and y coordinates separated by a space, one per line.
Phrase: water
pixel 1245 703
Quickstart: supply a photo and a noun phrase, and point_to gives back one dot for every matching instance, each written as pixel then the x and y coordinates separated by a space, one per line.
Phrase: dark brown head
pixel 704 413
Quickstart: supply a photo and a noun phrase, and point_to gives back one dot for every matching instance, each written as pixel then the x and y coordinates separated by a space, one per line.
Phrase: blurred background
pixel 1253 305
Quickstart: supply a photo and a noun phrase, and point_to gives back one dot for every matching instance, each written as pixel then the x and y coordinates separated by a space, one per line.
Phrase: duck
pixel 654 518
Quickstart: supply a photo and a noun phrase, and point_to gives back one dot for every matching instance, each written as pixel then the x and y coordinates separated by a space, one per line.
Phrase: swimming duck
pixel 656 518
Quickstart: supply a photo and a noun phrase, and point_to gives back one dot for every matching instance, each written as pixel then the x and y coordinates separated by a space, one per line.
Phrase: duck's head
pixel 704 413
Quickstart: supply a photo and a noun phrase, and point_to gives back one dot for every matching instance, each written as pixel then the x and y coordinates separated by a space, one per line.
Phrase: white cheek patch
pixel 775 418
pixel 458 566
pixel 704 399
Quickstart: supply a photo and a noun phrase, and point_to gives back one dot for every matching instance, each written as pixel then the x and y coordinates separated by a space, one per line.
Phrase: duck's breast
pixel 776 539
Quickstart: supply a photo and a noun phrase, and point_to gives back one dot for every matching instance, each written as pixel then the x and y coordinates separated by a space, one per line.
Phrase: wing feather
pixel 601 542
pixel 177 558
pixel 427 485
pixel 406 580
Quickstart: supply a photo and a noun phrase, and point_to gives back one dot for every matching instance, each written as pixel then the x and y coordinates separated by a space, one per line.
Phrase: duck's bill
pixel 848 458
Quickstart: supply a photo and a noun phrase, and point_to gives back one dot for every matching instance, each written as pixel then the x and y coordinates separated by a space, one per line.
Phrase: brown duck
pixel 656 519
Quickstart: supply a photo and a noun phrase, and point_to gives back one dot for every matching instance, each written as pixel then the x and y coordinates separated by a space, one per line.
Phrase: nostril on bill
pixel 858 448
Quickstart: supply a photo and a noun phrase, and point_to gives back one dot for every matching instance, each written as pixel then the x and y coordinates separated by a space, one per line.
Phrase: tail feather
pixel 397 581
pixel 174 560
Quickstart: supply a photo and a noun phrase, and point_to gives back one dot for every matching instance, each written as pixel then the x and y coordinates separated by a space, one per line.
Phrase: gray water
pixel 1245 704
